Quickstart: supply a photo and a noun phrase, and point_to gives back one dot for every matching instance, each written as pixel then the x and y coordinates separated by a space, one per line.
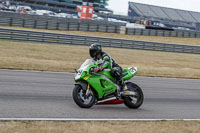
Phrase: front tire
pixel 81 100
pixel 134 102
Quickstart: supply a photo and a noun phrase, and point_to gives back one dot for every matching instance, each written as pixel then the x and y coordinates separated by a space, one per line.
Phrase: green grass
pixel 65 58
pixel 101 127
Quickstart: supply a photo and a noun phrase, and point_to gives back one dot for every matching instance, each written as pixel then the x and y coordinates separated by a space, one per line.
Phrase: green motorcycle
pixel 94 88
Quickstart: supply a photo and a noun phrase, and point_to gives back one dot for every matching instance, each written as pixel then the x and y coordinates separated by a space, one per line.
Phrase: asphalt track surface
pixel 30 94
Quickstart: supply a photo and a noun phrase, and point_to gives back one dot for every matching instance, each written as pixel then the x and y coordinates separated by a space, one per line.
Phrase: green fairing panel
pixel 101 85
pixel 129 75
pixel 107 73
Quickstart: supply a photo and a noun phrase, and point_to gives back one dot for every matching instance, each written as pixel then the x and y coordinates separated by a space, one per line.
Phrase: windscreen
pixel 86 63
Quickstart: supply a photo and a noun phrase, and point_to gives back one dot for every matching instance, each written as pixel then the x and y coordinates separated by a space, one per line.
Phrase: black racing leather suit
pixel 105 61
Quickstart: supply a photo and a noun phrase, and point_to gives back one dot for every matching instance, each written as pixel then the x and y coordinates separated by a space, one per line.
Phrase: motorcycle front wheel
pixel 134 102
pixel 80 98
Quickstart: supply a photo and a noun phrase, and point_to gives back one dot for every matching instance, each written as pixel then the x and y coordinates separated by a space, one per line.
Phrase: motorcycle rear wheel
pixel 136 101
pixel 81 100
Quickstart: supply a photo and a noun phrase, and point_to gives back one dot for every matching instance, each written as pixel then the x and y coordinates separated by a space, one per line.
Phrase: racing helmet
pixel 95 49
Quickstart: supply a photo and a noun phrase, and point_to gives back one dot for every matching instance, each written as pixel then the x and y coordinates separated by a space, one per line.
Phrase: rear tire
pixel 128 100
pixel 79 99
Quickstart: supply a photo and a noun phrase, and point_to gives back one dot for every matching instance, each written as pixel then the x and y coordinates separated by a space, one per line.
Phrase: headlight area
pixel 80 74
pixel 77 75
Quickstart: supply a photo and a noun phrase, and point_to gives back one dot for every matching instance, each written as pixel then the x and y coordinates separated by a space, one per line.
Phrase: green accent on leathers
pixel 104 61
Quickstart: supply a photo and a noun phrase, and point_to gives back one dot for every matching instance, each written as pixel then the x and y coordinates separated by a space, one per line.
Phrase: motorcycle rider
pixel 104 61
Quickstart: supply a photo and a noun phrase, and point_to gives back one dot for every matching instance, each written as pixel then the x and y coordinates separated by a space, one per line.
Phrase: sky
pixel 121 6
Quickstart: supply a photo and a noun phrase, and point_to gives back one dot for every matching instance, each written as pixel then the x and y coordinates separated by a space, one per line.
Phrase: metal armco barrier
pixel 150 32
pixel 57 23
pixel 46 37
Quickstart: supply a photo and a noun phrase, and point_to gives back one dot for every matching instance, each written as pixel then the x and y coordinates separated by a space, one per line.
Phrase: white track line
pixel 35 71
pixel 75 119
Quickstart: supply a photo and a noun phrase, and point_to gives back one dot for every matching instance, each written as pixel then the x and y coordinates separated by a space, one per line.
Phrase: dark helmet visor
pixel 93 53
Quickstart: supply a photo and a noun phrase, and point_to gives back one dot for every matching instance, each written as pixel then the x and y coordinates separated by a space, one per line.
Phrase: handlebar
pixel 91 70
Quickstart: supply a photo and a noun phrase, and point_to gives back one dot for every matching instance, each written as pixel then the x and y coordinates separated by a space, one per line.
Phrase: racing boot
pixel 122 85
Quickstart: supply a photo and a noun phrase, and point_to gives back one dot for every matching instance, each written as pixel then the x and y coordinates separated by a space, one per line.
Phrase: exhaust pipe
pixel 112 100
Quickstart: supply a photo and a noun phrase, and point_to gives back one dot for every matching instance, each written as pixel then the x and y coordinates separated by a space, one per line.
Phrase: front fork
pixel 88 91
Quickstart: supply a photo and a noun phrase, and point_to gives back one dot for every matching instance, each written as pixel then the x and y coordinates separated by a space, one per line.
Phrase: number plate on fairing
pixel 133 70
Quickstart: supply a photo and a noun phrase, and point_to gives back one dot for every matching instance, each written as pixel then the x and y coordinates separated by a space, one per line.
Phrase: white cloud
pixel 121 6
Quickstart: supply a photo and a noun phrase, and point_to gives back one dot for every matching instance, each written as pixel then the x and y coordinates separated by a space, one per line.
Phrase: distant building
pixel 144 10
pixel 168 16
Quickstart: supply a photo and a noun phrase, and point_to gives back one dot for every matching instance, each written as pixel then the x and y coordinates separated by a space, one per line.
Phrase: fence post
pixel 23 23
pixel 126 31
pixel 88 28
pixel 149 32
pixel 176 33
pixel 35 24
pixel 156 33
pixel 68 25
pixel 110 43
pixel 97 27
pixel 78 27
pixel 116 28
pixel 134 31
pixel 27 36
pixel 11 35
pixel 47 24
pixel 142 32
pixel 106 28
pixel 189 34
pixel 57 25
pixel 11 21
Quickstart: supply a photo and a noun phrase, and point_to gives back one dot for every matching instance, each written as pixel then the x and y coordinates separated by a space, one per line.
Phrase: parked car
pixel 45 12
pixel 134 25
pixel 23 9
pixel 63 15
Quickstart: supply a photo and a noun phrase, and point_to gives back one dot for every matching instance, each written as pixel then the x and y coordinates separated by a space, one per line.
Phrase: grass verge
pixel 65 58
pixel 100 127
pixel 175 40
